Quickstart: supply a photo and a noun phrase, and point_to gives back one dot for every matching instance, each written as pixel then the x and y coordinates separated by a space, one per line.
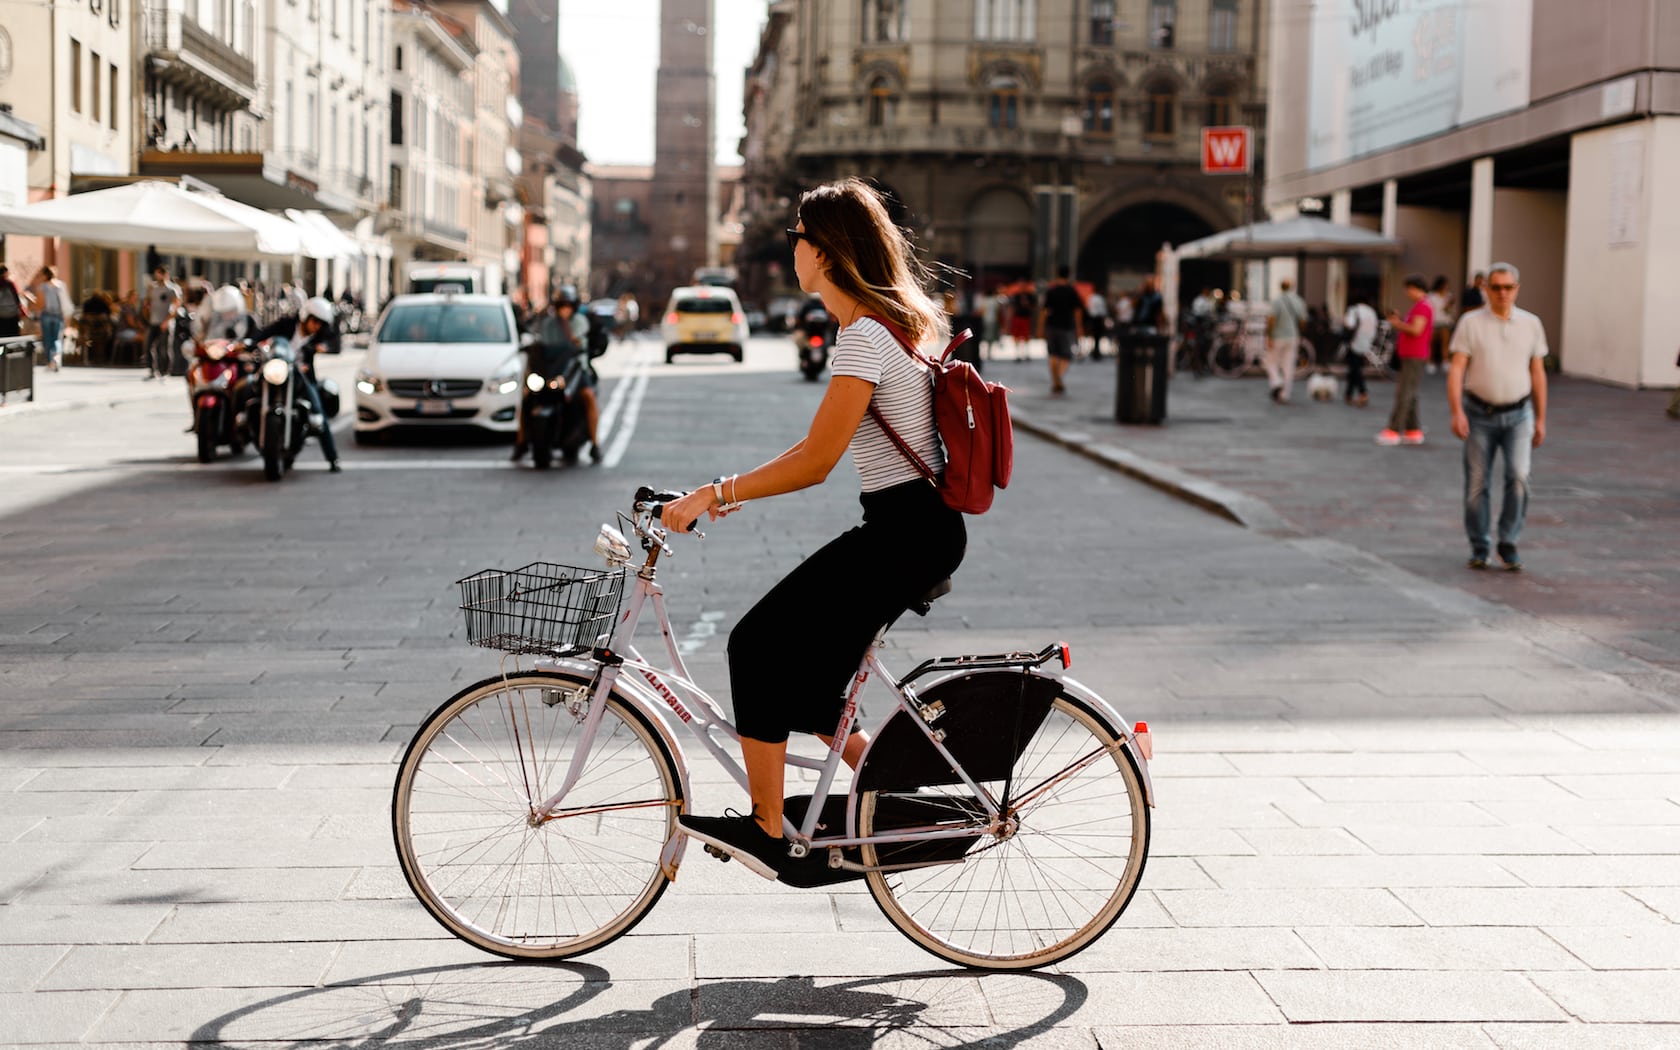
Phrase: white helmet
pixel 319 309
pixel 227 300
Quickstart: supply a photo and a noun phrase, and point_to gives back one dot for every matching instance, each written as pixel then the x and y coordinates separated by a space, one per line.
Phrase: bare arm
pixel 1455 395
pixel 1537 373
pixel 807 463
pixel 1416 326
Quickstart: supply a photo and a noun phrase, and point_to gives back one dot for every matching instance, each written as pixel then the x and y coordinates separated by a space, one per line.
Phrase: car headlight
pixel 276 370
pixel 507 386
pixel 369 383
pixel 534 382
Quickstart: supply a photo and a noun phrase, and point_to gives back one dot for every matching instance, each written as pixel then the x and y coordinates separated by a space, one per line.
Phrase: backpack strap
pixel 874 413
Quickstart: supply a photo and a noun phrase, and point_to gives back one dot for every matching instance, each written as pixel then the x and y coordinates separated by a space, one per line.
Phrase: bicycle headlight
pixel 533 382
pixel 611 545
pixel 276 370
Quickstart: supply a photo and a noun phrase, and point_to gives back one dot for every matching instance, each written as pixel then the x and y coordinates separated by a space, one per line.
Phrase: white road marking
pixel 620 440
pixel 699 633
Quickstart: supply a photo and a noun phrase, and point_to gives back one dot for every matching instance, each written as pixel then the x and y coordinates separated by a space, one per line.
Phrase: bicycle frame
pixel 667 694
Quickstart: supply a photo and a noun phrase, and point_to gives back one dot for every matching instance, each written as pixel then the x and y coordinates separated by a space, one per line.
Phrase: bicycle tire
pixel 1228 359
pixel 975 912
pixel 461 816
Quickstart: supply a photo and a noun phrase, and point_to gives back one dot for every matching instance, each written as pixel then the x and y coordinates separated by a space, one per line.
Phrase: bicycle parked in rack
pixel 999 816
pixel 1239 347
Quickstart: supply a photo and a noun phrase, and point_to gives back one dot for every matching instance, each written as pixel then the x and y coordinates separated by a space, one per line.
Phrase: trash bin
pixel 17 367
pixel 1141 385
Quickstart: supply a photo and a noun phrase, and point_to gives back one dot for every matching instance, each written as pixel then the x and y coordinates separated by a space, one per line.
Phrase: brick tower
pixel 684 198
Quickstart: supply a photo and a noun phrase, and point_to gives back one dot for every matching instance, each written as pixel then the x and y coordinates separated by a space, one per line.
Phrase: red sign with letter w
pixel 1227 151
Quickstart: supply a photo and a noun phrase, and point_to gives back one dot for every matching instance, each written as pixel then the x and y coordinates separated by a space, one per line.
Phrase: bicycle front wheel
pixel 1050 882
pixel 1229 359
pixel 491 868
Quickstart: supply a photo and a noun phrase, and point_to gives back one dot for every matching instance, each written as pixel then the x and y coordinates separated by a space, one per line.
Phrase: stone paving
pixel 1392 813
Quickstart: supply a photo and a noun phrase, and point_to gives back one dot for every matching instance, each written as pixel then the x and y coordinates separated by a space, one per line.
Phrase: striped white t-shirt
pixel 904 397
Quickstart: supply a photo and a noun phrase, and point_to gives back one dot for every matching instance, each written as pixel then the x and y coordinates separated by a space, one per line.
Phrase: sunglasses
pixel 794 237
pixel 1502 287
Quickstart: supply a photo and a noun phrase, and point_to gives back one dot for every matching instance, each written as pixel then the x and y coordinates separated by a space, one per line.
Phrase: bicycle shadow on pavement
pixel 582 1007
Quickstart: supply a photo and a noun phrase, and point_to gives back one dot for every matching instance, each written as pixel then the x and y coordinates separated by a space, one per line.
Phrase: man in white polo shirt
pixel 1497 390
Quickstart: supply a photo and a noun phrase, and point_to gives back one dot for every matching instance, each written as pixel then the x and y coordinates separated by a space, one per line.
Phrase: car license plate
pixel 435 408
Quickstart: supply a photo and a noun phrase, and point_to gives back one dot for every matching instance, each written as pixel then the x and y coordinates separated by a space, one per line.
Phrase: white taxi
pixel 704 319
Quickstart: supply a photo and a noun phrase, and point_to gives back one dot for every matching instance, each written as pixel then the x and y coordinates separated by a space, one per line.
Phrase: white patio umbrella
pixel 161 215
pixel 1302 236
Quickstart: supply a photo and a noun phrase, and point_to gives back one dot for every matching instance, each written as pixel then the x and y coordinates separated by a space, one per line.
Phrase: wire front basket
pixel 541 608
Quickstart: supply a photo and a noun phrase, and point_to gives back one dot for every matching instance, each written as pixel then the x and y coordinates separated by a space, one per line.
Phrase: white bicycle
pixel 999 816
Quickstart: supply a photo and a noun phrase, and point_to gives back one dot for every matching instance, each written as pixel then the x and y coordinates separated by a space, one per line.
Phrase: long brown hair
pixel 870 259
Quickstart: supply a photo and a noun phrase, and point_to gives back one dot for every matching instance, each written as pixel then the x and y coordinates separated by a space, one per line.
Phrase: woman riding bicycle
pixel 793 654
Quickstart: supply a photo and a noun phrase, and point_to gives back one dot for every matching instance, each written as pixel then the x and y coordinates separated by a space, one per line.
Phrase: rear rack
pixel 1021 658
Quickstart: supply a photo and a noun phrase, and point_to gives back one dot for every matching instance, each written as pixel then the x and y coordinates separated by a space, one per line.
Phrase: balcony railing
pixel 170 34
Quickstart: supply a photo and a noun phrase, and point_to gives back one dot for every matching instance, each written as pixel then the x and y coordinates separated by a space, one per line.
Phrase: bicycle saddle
pixel 921 606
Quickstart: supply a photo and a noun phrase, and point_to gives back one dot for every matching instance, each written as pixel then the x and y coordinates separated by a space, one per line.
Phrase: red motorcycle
pixel 219 369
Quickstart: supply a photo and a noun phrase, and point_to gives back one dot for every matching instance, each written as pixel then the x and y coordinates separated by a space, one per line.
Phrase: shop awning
pixel 161 215
pixel 1301 236
pixel 321 236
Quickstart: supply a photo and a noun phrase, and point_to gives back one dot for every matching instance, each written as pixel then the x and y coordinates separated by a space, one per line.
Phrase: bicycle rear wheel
pixel 472 848
pixel 1052 881
pixel 1229 358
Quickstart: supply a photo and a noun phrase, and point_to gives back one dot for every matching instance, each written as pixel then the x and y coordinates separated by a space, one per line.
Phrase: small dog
pixel 1321 387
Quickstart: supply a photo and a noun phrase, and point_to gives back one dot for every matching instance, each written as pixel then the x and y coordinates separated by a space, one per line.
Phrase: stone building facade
pixel 1015 135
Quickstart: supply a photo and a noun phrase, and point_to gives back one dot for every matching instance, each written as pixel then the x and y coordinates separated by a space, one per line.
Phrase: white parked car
pixel 441 359
pixel 704 320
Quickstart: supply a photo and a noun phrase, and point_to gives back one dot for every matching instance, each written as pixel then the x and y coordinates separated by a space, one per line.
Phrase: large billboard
pixel 1385 72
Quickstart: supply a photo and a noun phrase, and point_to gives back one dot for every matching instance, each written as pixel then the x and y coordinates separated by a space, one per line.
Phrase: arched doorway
pixel 1117 255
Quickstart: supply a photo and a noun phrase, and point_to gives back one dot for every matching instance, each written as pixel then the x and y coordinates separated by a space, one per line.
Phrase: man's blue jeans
pixel 1512 433
pixel 52 331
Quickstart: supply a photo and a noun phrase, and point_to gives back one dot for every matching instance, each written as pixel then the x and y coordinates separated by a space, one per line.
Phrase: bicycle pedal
pixel 718 853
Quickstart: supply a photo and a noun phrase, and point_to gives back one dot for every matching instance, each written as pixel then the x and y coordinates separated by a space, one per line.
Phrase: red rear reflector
pixel 1067 657
pixel 816 340
pixel 1145 746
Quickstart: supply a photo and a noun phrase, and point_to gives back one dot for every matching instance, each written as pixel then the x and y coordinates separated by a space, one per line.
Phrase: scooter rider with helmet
pixel 313 330
pixel 561 332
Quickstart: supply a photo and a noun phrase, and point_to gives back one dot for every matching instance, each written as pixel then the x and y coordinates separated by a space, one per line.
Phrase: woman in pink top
pixel 1412 348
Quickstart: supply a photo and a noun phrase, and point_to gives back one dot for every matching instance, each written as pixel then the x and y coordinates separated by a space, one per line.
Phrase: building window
pixel 398 64
pixel 883 21
pixel 1005 19
pixel 397 114
pixel 95 64
pixel 1221 106
pixel 883 103
pixel 1163 18
pixel 1003 104
pixel 1099 107
pixel 1160 106
pixel 1222 26
pixel 113 113
pixel 396 191
pixel 1102 23
pixel 75 76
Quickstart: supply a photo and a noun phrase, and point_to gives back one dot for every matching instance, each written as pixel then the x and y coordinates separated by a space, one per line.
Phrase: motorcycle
pixel 278 417
pixel 554 414
pixel 215 383
pixel 813 339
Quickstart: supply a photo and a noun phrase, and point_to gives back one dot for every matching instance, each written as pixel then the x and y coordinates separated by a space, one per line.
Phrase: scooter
pixel 813 339
pixel 554 414
pixel 214 383
pixel 278 417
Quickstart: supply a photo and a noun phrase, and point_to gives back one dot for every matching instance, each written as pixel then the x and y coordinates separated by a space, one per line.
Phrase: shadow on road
pixel 577 1004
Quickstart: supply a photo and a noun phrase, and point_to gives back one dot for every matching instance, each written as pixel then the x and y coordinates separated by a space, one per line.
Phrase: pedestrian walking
pixel 163 298
pixel 1096 321
pixel 815 624
pixel 992 307
pixel 1286 314
pixel 1060 325
pixel 1441 322
pixel 1023 306
pixel 1412 349
pixel 1474 296
pixel 1150 312
pixel 1497 390
pixel 51 301
pixel 11 305
pixel 1360 326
